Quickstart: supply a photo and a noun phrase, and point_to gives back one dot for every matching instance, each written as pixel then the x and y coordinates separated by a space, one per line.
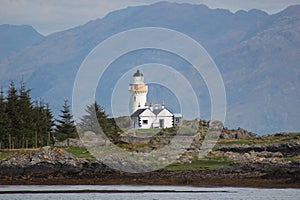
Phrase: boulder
pixel 236 134
pixel 45 160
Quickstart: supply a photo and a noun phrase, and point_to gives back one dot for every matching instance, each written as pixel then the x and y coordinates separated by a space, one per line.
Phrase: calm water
pixel 154 193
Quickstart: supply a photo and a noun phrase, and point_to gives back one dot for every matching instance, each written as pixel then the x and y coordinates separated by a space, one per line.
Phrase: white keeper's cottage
pixel 144 115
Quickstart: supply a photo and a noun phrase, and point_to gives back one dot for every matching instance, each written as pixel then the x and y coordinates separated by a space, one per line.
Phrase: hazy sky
pixel 54 15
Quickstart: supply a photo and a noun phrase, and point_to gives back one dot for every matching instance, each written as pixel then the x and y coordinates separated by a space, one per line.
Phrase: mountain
pixel 15 37
pixel 266 69
pixel 256 53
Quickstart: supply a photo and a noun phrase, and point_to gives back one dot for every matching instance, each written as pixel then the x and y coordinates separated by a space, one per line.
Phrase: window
pixel 134 98
pixel 145 121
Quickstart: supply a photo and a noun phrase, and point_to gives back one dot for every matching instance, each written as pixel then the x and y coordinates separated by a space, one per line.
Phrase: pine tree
pixel 3 122
pixel 48 124
pixel 65 127
pixel 44 123
pixel 89 122
pixel 96 118
pixel 14 122
pixel 26 113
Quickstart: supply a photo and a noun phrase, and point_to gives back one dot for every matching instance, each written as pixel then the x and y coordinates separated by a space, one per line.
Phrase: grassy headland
pixel 238 159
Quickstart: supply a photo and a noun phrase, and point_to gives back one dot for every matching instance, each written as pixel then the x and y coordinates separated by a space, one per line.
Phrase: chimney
pixel 163 105
pixel 156 106
pixel 151 106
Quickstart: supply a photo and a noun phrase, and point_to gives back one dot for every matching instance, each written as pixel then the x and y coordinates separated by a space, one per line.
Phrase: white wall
pixel 167 116
pixel 152 120
pixel 136 99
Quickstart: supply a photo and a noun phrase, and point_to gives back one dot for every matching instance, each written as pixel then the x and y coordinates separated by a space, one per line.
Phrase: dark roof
pixel 138 112
pixel 138 73
pixel 157 111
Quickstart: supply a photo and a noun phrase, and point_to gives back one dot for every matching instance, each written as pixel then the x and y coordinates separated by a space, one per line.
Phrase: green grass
pixel 185 130
pixel 203 164
pixel 9 153
pixel 149 132
pixel 134 147
pixel 243 141
pixel 295 158
pixel 260 140
pixel 80 152
pixel 4 155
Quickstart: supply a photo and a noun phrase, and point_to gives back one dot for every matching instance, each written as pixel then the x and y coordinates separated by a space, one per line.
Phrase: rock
pixel 215 125
pixel 46 159
pixel 286 149
pixel 70 142
pixel 214 129
pixel 278 155
pixel 247 156
pixel 273 170
pixel 236 134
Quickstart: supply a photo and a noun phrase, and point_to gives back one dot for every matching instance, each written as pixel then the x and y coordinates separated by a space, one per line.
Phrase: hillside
pixel 15 37
pixel 256 53
pixel 266 69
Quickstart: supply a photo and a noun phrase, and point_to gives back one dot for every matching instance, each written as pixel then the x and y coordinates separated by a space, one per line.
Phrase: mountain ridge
pixel 13 38
pixel 238 42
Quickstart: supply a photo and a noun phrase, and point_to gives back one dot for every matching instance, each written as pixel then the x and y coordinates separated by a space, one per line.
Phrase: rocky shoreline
pixel 56 166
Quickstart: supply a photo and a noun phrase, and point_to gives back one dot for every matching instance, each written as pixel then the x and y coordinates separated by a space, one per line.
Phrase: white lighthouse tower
pixel 138 90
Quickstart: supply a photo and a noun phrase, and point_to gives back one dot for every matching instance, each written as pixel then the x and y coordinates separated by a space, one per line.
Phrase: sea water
pixel 117 192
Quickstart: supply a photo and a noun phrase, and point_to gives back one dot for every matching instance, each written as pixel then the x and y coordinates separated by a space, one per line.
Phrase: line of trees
pixel 23 123
pixel 30 124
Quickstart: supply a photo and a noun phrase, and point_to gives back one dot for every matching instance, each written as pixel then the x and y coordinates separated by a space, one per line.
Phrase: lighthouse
pixel 144 116
pixel 138 90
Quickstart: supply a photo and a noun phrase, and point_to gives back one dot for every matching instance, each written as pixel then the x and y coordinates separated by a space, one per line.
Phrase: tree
pixel 89 122
pixel 43 124
pixel 48 124
pixel 26 115
pixel 23 124
pixel 14 122
pixel 96 118
pixel 4 121
pixel 65 127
